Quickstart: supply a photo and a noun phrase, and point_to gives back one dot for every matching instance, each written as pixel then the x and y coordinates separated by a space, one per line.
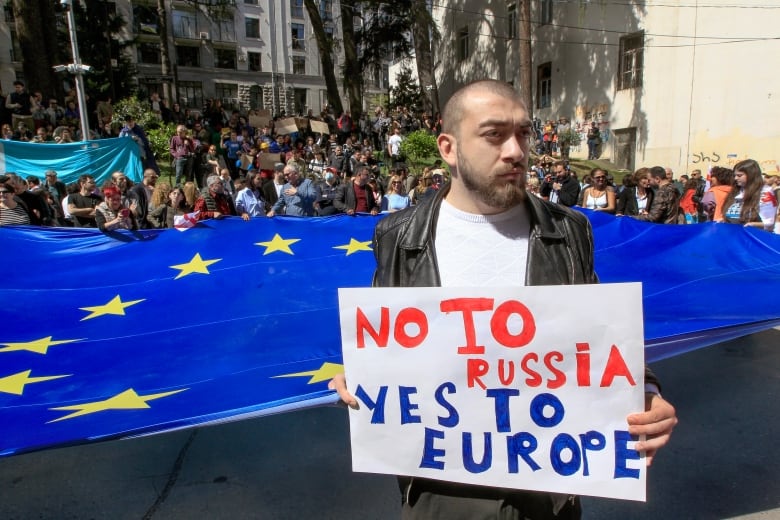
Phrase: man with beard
pixel 355 195
pixel 562 188
pixel 142 194
pixel 483 230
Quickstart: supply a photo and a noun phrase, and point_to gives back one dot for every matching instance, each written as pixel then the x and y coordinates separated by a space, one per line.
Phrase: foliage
pixel 384 32
pixel 99 31
pixel 418 146
pixel 141 111
pixel 570 137
pixel 159 140
pixel 406 93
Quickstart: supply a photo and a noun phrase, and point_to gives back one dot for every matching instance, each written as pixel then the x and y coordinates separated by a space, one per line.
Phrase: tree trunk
pixel 525 55
pixel 353 77
pixel 421 30
pixel 326 60
pixel 35 40
pixel 169 94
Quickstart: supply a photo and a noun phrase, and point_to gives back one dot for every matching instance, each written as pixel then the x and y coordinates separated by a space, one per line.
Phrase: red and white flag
pixel 184 222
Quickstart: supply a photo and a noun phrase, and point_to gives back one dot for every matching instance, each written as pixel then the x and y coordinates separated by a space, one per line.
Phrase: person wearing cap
pixel 297 196
pixel 142 193
pixel 272 189
pixel 327 191
pixel 357 196
pixel 214 203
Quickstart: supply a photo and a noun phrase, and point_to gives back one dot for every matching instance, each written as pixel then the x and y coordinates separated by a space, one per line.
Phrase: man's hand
pixel 290 191
pixel 217 215
pixel 656 423
pixel 339 384
pixel 350 212
pixel 374 211
pixel 245 216
pixel 270 214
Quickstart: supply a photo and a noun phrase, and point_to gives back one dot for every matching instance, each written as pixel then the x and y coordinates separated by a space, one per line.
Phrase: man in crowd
pixel 297 196
pixel 213 203
pixel 563 188
pixel 666 203
pixel 182 148
pixel 327 191
pixel 355 195
pixel 394 146
pixel 142 194
pixel 81 205
pixel 485 140
pixel 273 189
pixel 56 188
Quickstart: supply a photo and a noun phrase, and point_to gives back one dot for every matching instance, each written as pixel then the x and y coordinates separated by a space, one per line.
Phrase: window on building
pixel 145 19
pixel 224 30
pixel 298 38
pixel 326 10
pixel 299 65
pixel 146 87
pixel 225 58
pixel 228 94
pixel 546 12
pixel 149 53
pixel 463 43
pixel 185 25
pixel 8 11
pixel 190 93
pixel 329 33
pixel 187 56
pixel 512 20
pixel 631 61
pixel 544 85
pixel 255 62
pixel 300 96
pixel 250 2
pixel 16 48
pixel 252 27
pixel 296 8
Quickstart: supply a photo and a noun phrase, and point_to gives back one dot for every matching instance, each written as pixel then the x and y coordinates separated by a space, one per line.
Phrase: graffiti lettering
pixel 702 157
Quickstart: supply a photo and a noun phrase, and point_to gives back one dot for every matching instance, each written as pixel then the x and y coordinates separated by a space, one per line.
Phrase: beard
pixel 492 190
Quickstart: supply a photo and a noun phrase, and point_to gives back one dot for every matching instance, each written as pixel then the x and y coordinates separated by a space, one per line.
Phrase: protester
pixel 111 214
pixel 356 196
pixel 688 206
pixel 484 217
pixel 563 187
pixel 12 212
pixel 82 204
pixel 327 190
pixel 599 196
pixel 213 203
pixel 665 207
pixel 720 185
pixel 249 201
pixel 750 202
pixel 396 198
pixel 297 197
pixel 636 198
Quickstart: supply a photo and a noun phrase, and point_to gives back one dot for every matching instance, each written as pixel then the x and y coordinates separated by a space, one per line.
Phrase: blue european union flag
pixel 111 335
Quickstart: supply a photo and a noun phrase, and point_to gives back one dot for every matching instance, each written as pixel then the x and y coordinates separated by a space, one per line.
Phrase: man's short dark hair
pixel 658 172
pixel 452 114
pixel 20 83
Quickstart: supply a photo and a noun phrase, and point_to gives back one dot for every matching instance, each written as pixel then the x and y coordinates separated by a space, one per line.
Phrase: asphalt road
pixel 722 463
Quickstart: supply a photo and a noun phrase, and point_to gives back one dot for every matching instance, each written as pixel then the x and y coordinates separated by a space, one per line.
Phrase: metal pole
pixel 78 71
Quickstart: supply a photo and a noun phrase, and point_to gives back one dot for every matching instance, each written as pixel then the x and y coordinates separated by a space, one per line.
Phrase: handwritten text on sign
pixel 525 388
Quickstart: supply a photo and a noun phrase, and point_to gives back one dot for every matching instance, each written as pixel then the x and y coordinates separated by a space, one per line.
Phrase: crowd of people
pixel 739 195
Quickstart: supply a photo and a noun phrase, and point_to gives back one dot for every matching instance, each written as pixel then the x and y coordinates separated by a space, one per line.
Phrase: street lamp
pixel 77 69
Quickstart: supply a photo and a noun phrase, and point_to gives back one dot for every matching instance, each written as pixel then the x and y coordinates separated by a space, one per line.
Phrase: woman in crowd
pixel 11 212
pixel 318 164
pixel 396 197
pixel 111 214
pixel 157 204
pixel 599 196
pixel 190 192
pixel 750 202
pixel 637 199
pixel 8 133
pixel 687 204
pixel 720 185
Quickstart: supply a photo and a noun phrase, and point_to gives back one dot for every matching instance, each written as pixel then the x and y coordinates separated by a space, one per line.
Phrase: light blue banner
pixel 98 158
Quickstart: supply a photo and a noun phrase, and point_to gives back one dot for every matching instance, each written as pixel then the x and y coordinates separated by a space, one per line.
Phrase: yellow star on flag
pixel 14 384
pixel 196 265
pixel 39 346
pixel 324 373
pixel 115 307
pixel 355 245
pixel 277 243
pixel 127 400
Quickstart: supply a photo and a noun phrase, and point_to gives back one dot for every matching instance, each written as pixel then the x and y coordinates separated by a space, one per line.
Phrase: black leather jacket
pixel 560 252
pixel 560 249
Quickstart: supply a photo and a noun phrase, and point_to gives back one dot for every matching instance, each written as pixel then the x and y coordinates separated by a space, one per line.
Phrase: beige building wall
pixel 708 96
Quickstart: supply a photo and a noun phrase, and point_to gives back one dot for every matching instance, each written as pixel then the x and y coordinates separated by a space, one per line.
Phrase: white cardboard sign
pixel 525 388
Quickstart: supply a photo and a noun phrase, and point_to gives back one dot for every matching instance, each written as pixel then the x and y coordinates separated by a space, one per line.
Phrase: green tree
pixel 424 31
pixel 419 146
pixel 37 40
pixel 407 92
pixel 325 45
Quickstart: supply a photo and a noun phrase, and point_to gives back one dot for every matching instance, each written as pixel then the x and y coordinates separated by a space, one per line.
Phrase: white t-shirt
pixel 394 142
pixel 482 250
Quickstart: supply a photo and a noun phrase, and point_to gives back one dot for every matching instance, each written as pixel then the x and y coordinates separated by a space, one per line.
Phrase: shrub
pixel 140 110
pixel 418 146
pixel 159 140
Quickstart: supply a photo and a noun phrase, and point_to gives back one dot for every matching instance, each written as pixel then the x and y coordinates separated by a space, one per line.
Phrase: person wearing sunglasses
pixel 599 196
pixel 11 211
pixel 396 198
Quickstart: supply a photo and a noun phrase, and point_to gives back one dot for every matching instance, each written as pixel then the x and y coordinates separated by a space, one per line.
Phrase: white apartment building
pixel 684 83
pixel 261 54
